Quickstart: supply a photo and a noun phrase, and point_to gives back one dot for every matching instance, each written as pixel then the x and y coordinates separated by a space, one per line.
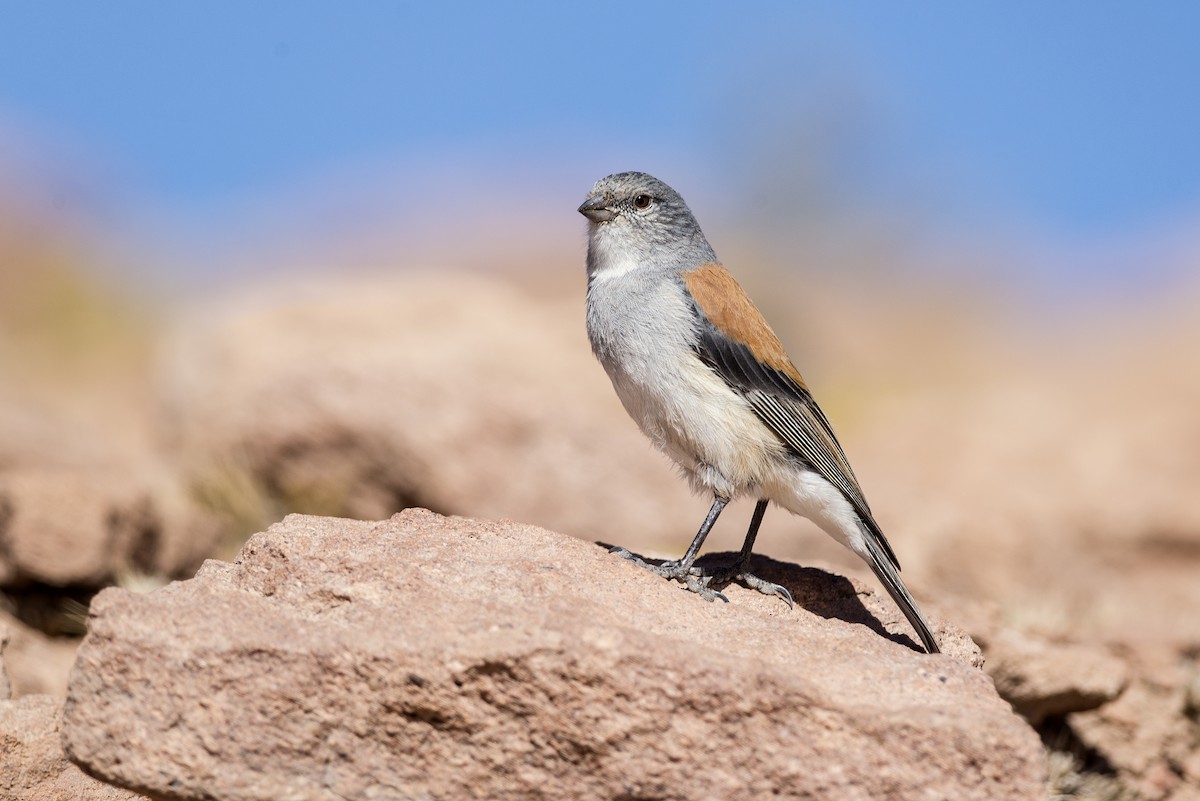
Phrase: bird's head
pixel 636 221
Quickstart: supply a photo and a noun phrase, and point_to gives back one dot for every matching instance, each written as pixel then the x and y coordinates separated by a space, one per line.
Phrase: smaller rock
pixel 1041 679
pixel 32 763
pixel 1145 734
pixel 36 664
pixel 72 526
pixel 84 527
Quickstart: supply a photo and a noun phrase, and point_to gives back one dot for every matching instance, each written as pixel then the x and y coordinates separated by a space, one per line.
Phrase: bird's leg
pixel 683 569
pixel 737 570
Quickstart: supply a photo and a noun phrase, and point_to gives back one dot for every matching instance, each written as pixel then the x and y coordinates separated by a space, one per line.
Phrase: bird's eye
pixel 643 201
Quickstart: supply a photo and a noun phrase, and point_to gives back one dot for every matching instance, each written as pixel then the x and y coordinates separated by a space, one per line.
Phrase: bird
pixel 706 379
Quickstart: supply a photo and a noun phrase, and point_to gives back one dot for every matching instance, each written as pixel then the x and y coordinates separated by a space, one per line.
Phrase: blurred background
pixel 285 256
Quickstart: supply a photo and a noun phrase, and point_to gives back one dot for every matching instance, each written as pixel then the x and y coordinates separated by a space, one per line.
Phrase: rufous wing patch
pixel 730 309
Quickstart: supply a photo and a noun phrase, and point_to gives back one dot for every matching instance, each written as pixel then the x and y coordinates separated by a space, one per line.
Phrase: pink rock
pixel 84 526
pixel 32 763
pixel 1148 735
pixel 434 657
pixel 36 663
pixel 1041 678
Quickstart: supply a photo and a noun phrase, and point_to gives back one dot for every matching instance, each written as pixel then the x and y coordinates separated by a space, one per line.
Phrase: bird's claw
pixel 766 587
pixel 669 569
pixel 699 585
pixel 696 580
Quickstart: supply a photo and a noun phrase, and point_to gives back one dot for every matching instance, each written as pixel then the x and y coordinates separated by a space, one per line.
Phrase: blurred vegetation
pixel 59 322
pixel 232 491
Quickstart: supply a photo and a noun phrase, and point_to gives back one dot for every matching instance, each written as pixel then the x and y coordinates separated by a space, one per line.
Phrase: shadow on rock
pixel 825 594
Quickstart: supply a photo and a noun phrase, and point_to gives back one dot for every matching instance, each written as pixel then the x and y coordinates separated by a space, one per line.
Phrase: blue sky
pixel 1077 120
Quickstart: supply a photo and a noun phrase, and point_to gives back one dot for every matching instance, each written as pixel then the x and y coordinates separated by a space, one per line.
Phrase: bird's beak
pixel 594 209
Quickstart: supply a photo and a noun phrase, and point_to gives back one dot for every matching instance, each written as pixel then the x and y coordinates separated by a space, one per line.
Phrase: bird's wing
pixel 736 342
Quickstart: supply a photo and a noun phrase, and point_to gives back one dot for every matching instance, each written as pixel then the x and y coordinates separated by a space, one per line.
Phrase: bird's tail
pixel 885 569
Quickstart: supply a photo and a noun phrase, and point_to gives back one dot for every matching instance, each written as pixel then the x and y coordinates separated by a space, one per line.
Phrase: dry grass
pixel 1070 781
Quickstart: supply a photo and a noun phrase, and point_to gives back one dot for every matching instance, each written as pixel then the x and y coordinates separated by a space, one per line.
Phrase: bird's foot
pixel 691 577
pixel 737 572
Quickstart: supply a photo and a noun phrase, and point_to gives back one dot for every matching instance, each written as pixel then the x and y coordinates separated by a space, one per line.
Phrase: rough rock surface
pixel 83 526
pixel 432 657
pixel 32 763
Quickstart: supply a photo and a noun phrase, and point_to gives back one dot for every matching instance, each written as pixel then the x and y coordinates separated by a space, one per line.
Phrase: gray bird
pixel 706 379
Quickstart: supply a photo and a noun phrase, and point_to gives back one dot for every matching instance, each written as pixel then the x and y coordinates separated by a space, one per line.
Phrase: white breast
pixel 642 330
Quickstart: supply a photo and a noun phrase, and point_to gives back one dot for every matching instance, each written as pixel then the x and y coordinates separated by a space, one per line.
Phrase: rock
pixel 432 657
pixel 1149 735
pixel 85 526
pixel 37 664
pixel 1041 679
pixel 1119 723
pixel 63 527
pixel 457 393
pixel 32 763
pixel 5 683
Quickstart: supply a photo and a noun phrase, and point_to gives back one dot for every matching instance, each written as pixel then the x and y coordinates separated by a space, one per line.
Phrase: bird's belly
pixel 695 418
